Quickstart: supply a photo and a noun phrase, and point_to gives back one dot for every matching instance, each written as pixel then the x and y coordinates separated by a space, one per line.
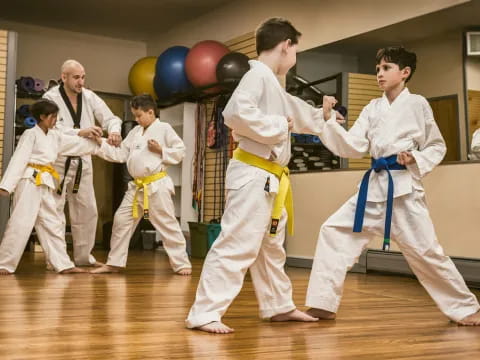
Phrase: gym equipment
pixel 30 122
pixel 201 63
pixel 38 85
pixel 26 84
pixel 232 67
pixel 24 111
pixel 170 71
pixel 140 77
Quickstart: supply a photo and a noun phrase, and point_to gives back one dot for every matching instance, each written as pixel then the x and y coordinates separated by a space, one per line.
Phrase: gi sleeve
pixel 18 162
pixel 72 145
pixel 112 153
pixel 174 152
pixel 431 148
pixel 243 115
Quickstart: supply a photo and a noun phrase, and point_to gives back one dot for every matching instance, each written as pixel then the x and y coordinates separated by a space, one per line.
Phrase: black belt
pixel 78 174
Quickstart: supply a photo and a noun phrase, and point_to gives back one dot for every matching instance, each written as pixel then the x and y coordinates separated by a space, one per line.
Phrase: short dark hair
pixel 144 102
pixel 400 56
pixel 43 107
pixel 273 31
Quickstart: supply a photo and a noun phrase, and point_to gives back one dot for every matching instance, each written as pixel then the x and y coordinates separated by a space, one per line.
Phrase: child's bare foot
pixel 98 264
pixel 73 270
pixel 321 314
pixel 5 272
pixel 294 315
pixel 215 327
pixel 471 320
pixel 105 269
pixel 184 272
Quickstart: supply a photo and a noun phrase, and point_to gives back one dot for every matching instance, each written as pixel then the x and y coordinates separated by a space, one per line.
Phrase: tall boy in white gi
pixel 261 114
pixel 401 135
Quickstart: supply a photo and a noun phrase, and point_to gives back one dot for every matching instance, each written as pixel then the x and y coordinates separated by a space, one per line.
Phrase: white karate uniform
pixel 475 146
pixel 385 129
pixel 35 206
pixel 257 112
pixel 142 162
pixel 82 206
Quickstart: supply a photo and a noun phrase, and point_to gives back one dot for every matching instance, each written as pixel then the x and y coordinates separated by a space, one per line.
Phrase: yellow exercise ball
pixel 140 77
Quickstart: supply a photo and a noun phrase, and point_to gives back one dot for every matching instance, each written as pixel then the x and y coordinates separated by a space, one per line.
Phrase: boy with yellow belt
pixel 34 182
pixel 258 203
pixel 148 149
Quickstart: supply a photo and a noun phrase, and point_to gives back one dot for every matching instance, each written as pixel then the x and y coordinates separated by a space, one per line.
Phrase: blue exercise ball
pixel 170 71
pixel 160 89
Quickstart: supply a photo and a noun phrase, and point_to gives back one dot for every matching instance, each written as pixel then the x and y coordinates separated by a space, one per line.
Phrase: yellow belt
pixel 284 196
pixel 142 183
pixel 42 169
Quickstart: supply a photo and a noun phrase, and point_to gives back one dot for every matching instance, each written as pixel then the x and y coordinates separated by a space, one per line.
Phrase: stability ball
pixel 201 62
pixel 170 71
pixel 232 67
pixel 161 91
pixel 140 77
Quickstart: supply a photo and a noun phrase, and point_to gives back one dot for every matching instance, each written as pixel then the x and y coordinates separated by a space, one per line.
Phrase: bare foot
pixel 471 320
pixel 74 270
pixel 98 264
pixel 105 269
pixel 184 272
pixel 294 315
pixel 5 272
pixel 321 314
pixel 215 327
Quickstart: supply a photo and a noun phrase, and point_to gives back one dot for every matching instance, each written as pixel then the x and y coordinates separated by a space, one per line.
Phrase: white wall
pixel 472 68
pixel 452 196
pixel 440 73
pixel 41 52
pixel 321 22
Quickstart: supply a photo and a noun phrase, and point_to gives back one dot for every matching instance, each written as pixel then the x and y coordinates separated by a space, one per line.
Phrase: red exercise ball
pixel 201 62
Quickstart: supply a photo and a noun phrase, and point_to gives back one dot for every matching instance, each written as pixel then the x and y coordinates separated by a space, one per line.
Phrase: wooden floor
pixel 140 315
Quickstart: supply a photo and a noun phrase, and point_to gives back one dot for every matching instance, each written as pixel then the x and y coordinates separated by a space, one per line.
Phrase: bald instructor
pixel 79 108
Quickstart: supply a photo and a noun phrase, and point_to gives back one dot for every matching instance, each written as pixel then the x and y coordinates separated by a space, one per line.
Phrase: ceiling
pixel 456 18
pixel 124 19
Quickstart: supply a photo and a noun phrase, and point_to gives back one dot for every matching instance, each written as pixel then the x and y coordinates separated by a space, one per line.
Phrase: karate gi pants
pixel 338 249
pixel 244 243
pixel 162 217
pixel 82 208
pixel 34 206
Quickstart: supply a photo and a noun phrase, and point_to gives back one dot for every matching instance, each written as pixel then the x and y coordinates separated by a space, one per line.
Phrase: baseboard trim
pixel 393 262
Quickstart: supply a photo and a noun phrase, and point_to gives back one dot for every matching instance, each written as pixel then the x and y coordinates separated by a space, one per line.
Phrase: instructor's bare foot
pixel 321 314
pixel 105 269
pixel 5 272
pixel 74 270
pixel 184 272
pixel 471 320
pixel 294 315
pixel 215 327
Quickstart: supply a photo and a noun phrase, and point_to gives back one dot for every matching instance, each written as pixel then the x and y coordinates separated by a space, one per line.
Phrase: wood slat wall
pixel 244 44
pixel 473 111
pixel 3 79
pixel 361 89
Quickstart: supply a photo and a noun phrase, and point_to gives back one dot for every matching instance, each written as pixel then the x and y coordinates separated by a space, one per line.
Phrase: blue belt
pixel 383 163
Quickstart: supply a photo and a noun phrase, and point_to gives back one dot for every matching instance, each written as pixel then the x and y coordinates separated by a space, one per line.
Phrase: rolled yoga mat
pixel 30 122
pixel 27 83
pixel 39 85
